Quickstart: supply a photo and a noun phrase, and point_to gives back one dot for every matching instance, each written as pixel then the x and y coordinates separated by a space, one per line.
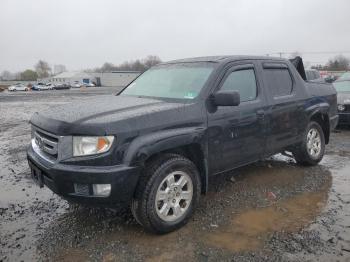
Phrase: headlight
pixel 91 145
pixel 341 108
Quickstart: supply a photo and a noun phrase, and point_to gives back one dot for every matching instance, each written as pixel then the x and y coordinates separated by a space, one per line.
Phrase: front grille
pixel 45 142
pixel 347 108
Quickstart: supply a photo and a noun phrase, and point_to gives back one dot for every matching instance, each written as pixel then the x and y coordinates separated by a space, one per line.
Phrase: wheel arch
pixel 322 119
pixel 188 142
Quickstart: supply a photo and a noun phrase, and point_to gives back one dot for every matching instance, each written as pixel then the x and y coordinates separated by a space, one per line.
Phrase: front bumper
pixel 60 178
pixel 344 118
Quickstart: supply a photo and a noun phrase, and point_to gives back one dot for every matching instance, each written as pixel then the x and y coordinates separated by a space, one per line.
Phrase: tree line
pixel 42 69
pixel 338 63
pixel 140 65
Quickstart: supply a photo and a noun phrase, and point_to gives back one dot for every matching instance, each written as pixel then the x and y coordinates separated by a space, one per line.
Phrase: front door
pixel 237 134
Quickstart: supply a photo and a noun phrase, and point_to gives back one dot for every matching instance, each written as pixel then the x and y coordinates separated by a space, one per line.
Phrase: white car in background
pixel 50 86
pixel 18 87
pixel 42 86
pixel 89 84
pixel 77 84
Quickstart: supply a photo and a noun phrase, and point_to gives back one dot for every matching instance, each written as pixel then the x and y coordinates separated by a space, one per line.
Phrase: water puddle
pixel 248 230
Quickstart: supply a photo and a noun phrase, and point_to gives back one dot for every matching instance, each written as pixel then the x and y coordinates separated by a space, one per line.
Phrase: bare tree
pixel 339 62
pixel 7 75
pixel 134 65
pixel 151 60
pixel 43 69
pixel 107 67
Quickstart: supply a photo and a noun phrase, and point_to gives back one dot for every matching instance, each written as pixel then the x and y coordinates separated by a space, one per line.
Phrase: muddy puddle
pixel 249 229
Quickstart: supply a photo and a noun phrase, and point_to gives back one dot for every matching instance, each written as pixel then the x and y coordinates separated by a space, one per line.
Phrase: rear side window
pixel 279 81
pixel 310 75
pixel 317 75
pixel 242 81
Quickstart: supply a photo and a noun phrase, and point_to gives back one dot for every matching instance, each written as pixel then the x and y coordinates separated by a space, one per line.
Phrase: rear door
pixel 285 112
pixel 237 133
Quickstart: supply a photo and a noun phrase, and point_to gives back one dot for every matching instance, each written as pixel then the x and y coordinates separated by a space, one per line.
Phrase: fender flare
pixel 144 146
pixel 323 111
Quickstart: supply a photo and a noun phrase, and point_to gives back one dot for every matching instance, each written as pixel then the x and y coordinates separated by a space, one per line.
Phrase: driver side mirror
pixel 226 98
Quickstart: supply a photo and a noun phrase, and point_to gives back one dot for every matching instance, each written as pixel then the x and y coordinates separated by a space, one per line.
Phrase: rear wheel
pixel 167 194
pixel 311 150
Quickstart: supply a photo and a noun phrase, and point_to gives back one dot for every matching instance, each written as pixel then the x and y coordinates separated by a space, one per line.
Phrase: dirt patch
pixel 73 254
pixel 3 88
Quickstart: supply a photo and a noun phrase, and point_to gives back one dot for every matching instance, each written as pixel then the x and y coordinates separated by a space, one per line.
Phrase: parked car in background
pixel 18 87
pixel 342 85
pixel 77 84
pixel 154 146
pixel 50 86
pixel 41 86
pixel 61 86
pixel 313 75
pixel 330 78
pixel 89 84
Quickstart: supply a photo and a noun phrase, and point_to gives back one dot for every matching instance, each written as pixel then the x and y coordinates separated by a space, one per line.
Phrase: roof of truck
pixel 226 58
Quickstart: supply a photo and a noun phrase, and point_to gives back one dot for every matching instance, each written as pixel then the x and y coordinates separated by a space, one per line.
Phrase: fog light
pixel 101 189
pixel 341 108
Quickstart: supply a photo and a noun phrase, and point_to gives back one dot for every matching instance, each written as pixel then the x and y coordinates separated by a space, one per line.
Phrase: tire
pixel 310 154
pixel 158 205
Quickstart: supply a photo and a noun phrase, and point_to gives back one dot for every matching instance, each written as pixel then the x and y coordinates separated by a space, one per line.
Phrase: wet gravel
pixel 269 211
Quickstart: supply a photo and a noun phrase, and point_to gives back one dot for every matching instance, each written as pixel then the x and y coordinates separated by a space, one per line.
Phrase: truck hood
pixel 110 115
pixel 343 98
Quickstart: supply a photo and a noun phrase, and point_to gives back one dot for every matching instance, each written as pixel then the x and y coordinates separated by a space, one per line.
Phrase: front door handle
pixel 260 113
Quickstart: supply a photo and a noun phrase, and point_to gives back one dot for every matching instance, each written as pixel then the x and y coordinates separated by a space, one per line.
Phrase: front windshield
pixel 342 86
pixel 171 81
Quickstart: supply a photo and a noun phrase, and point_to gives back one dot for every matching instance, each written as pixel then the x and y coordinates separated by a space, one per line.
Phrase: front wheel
pixel 310 152
pixel 167 194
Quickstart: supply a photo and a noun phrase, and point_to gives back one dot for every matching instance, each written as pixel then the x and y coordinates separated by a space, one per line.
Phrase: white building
pixel 72 77
pixel 113 79
pixel 116 78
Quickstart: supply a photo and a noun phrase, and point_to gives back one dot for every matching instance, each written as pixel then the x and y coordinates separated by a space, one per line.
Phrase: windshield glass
pixel 171 81
pixel 342 86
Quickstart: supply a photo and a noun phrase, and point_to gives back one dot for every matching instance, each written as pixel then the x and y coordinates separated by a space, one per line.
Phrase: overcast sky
pixel 87 33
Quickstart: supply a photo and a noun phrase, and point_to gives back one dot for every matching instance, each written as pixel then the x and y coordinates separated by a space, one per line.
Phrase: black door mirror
pixel 226 98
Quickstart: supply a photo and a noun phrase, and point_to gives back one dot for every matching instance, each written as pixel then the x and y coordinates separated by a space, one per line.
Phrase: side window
pixel 317 75
pixel 242 81
pixel 309 75
pixel 279 81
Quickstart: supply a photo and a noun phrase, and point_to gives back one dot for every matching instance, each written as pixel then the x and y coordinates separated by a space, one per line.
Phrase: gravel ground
pixel 269 211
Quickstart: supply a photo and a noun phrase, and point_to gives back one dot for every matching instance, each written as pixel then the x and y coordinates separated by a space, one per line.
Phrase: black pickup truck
pixel 154 145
